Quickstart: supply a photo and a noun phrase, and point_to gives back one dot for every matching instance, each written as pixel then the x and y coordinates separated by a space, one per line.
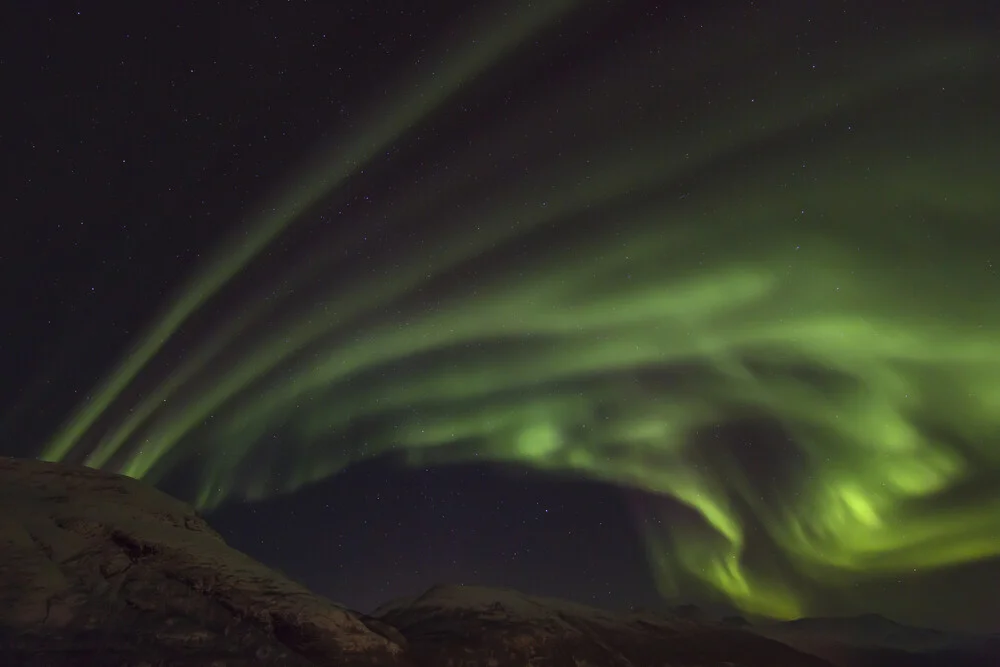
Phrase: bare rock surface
pixel 99 569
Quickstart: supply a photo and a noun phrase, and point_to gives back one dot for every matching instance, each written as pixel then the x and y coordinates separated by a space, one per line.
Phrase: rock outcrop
pixel 98 569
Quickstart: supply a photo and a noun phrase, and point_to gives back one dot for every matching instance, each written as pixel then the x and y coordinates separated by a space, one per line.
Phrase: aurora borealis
pixel 602 269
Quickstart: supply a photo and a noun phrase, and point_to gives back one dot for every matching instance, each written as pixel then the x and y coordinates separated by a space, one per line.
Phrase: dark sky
pixel 141 142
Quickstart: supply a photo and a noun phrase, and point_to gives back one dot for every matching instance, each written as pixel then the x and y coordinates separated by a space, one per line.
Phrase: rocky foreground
pixel 98 569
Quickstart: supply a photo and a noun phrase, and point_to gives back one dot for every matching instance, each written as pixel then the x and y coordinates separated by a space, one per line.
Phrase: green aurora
pixel 814 254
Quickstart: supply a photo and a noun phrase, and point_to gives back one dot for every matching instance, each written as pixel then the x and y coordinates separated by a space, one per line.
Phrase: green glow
pixel 330 169
pixel 822 258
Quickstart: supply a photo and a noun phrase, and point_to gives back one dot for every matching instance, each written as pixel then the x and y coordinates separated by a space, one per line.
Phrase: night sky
pixel 631 303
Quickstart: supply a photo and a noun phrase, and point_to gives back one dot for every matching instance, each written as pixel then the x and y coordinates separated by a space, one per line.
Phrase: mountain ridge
pixel 104 570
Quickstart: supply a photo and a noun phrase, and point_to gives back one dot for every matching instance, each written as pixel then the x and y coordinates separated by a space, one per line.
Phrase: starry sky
pixel 630 303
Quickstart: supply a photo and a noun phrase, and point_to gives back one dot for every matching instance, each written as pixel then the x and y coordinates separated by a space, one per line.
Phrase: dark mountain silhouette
pixel 871 640
pixel 98 569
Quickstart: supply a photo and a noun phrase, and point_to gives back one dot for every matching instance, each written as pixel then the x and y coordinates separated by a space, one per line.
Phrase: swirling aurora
pixel 813 255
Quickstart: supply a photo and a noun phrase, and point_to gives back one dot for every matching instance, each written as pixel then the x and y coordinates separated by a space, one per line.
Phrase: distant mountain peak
pixel 449 622
pixel 871 630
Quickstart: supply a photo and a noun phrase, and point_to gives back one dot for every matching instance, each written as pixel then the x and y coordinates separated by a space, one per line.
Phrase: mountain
pixel 871 640
pixel 99 570
pixel 468 625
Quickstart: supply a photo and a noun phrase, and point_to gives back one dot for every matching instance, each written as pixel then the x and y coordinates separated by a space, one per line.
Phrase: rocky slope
pixel 98 569
pixel 465 625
